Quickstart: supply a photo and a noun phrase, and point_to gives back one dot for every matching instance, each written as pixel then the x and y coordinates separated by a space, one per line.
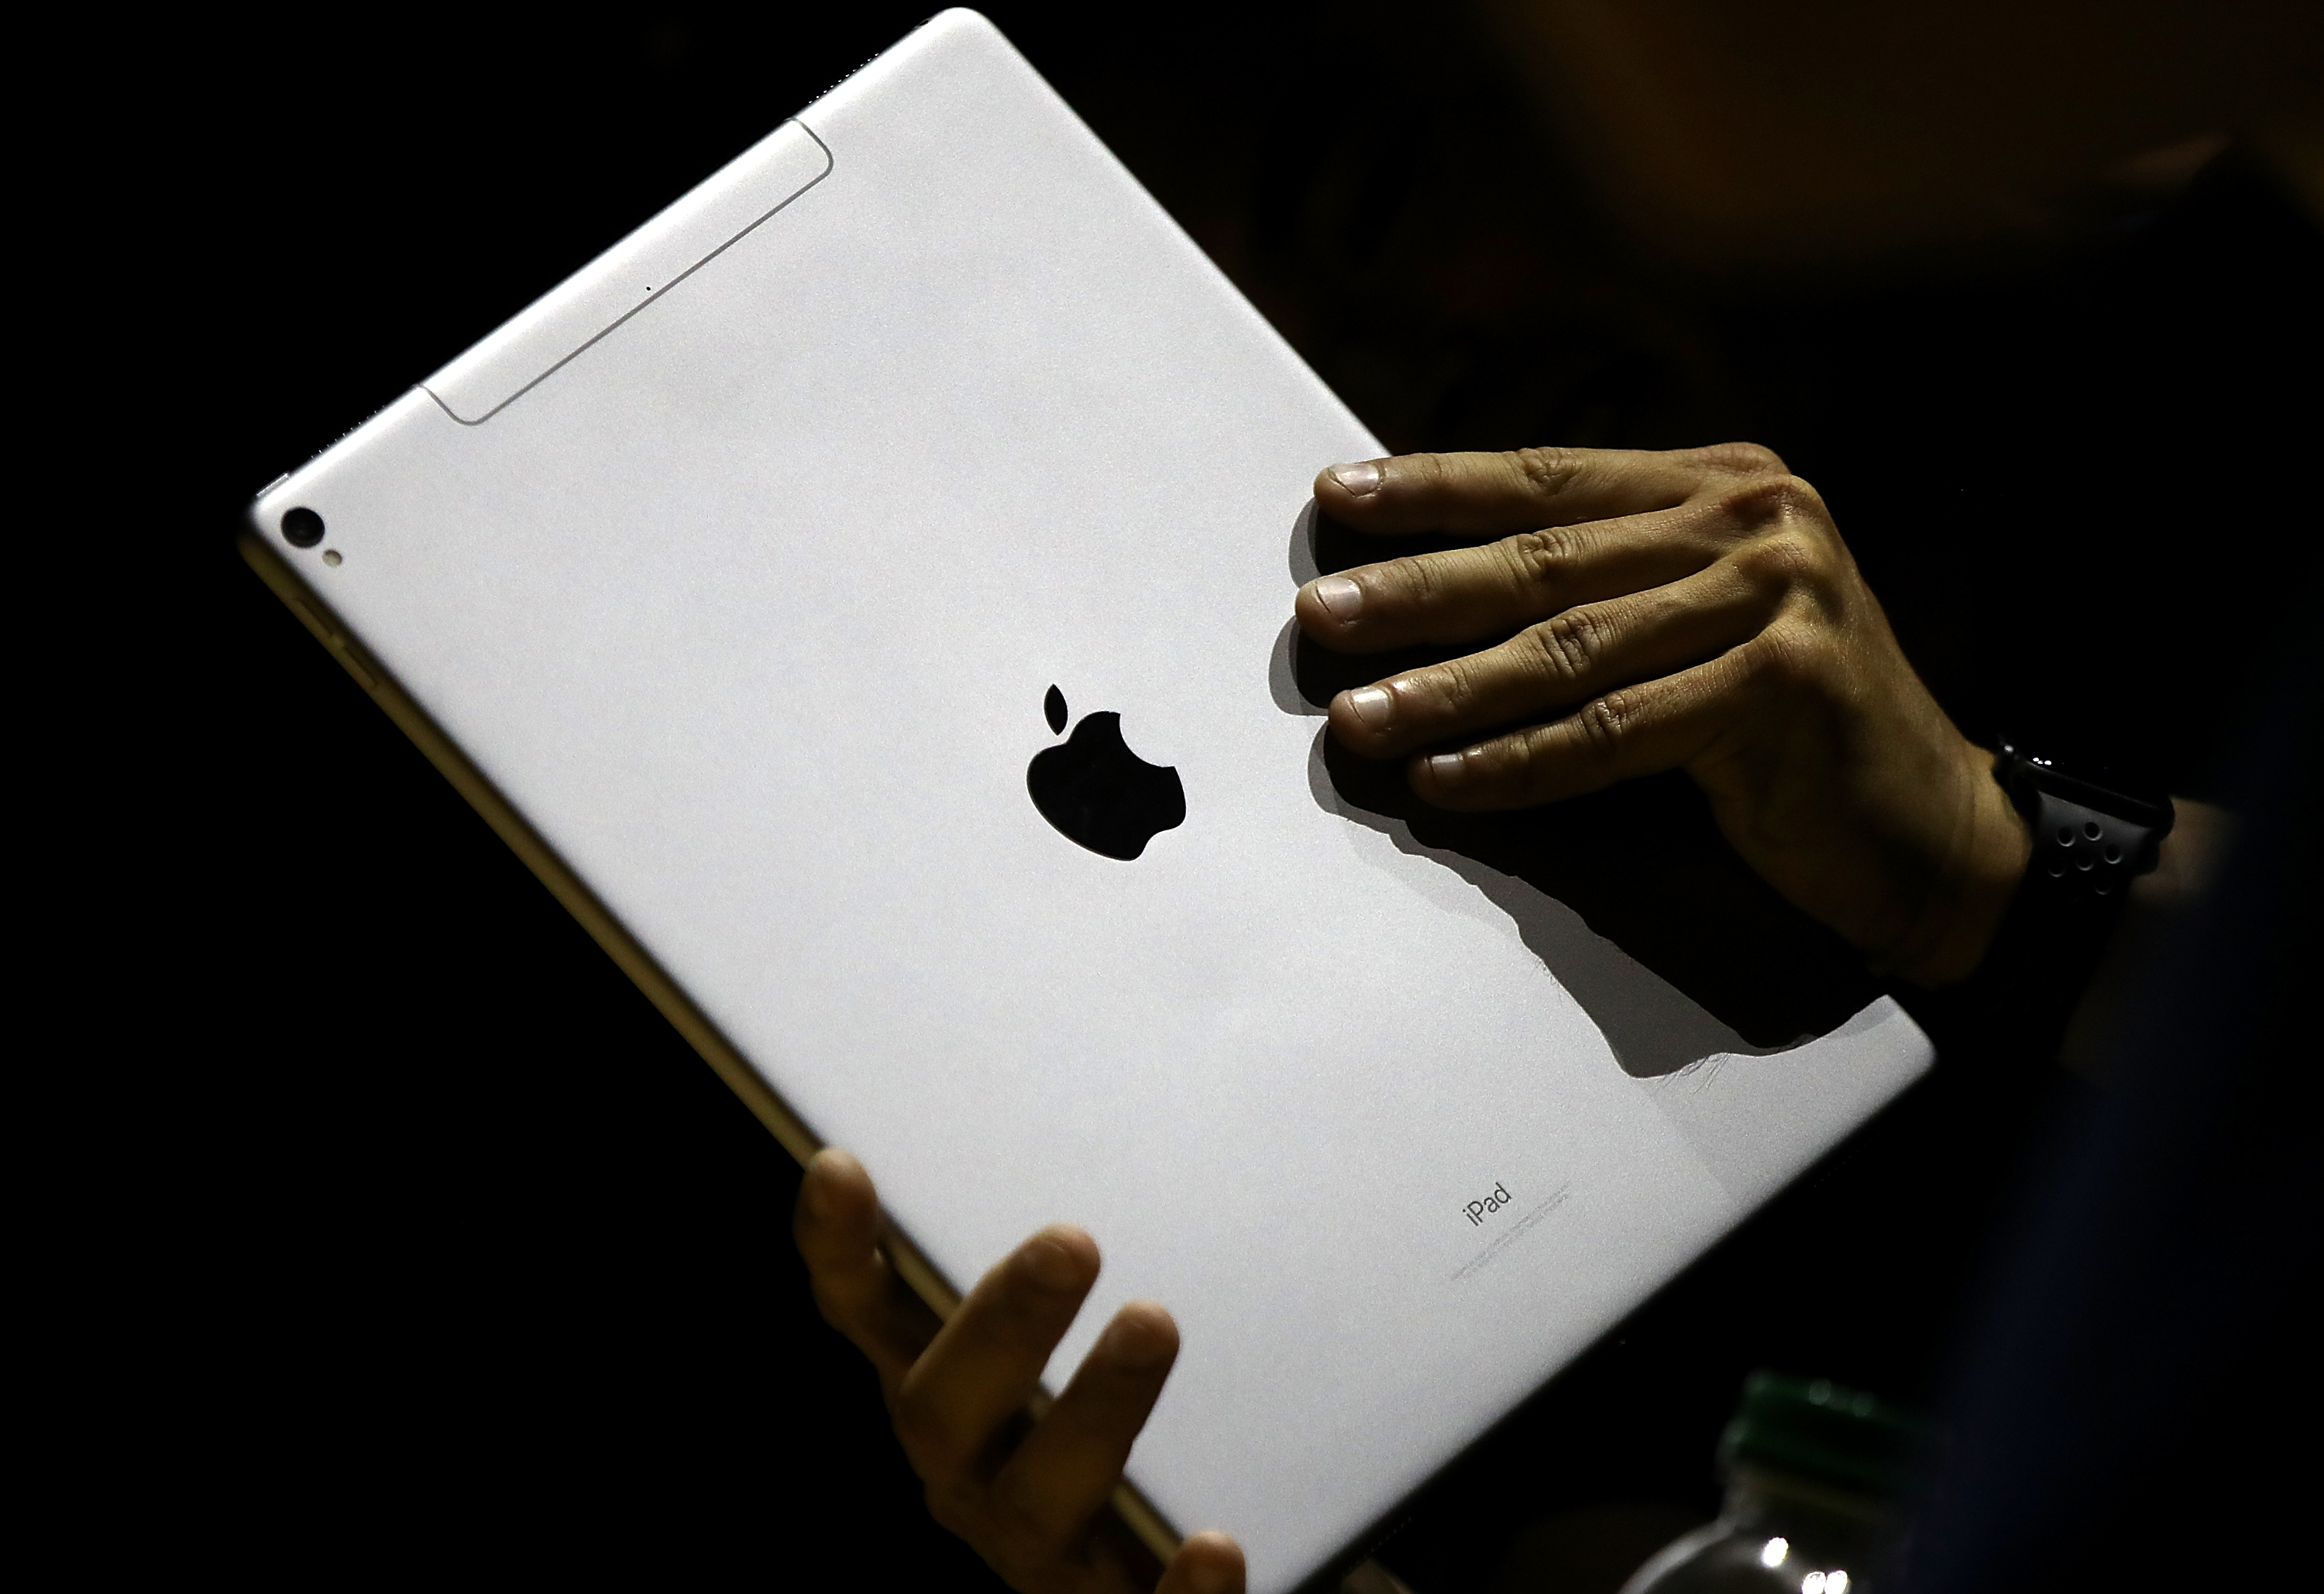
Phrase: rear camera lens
pixel 302 528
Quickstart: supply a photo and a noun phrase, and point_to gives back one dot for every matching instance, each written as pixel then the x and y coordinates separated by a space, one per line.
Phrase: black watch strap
pixel 2089 844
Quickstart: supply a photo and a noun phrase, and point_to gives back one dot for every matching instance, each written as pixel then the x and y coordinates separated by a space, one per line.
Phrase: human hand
pixel 1030 1497
pixel 1695 610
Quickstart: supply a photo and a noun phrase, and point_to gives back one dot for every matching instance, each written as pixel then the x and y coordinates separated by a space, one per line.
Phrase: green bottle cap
pixel 1815 1430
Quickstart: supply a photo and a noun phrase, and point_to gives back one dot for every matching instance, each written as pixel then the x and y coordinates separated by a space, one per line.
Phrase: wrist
pixel 1990 849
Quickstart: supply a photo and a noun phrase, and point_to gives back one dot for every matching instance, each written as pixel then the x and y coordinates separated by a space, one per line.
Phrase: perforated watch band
pixel 2089 844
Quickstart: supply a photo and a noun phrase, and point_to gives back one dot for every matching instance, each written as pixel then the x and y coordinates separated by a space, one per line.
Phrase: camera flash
pixel 331 556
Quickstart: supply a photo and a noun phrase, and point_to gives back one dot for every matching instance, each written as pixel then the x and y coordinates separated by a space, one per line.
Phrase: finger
pixel 1552 665
pixel 836 1224
pixel 1494 495
pixel 1065 1469
pixel 987 1361
pixel 1206 1563
pixel 1490 590
pixel 1661 724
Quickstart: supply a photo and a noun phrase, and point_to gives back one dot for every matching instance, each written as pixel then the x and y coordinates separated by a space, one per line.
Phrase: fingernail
pixel 1373 705
pixel 1341 596
pixel 1448 769
pixel 1134 1343
pixel 1358 481
pixel 1051 1265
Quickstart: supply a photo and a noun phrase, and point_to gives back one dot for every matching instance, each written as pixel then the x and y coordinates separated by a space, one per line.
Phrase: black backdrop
pixel 459 1256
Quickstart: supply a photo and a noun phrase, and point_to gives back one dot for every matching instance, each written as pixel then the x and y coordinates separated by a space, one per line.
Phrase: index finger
pixel 1524 490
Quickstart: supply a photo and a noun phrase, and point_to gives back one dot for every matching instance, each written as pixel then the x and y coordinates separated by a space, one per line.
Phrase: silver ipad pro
pixel 863 595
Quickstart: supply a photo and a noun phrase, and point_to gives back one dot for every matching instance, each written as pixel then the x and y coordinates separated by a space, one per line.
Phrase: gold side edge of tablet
pixel 632 959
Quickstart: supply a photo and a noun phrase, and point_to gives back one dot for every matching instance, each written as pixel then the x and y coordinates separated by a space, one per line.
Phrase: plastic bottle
pixel 1817 1477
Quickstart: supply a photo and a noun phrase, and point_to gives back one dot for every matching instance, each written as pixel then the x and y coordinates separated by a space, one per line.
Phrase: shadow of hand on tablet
pixel 1630 895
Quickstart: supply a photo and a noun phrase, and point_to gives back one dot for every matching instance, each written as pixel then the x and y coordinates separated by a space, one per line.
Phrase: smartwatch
pixel 2089 843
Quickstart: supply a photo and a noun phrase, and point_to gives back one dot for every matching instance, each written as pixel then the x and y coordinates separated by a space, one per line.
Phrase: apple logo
pixel 1098 792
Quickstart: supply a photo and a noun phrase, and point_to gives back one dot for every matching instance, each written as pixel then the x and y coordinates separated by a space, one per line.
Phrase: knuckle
pixel 1602 723
pixel 962 1513
pixel 1452 688
pixel 827 1302
pixel 1790 657
pixel 1014 1520
pixel 1740 459
pixel 1547 472
pixel 1010 1503
pixel 921 1428
pixel 1800 500
pixel 1771 500
pixel 1024 1551
pixel 1021 1519
pixel 1567 645
pixel 1416 578
pixel 1429 473
pixel 1540 560
pixel 1779 561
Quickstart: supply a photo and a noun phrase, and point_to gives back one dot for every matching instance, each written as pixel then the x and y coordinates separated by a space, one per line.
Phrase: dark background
pixel 463 1257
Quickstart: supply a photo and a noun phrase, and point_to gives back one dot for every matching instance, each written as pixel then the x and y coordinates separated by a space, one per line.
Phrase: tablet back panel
pixel 741 566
